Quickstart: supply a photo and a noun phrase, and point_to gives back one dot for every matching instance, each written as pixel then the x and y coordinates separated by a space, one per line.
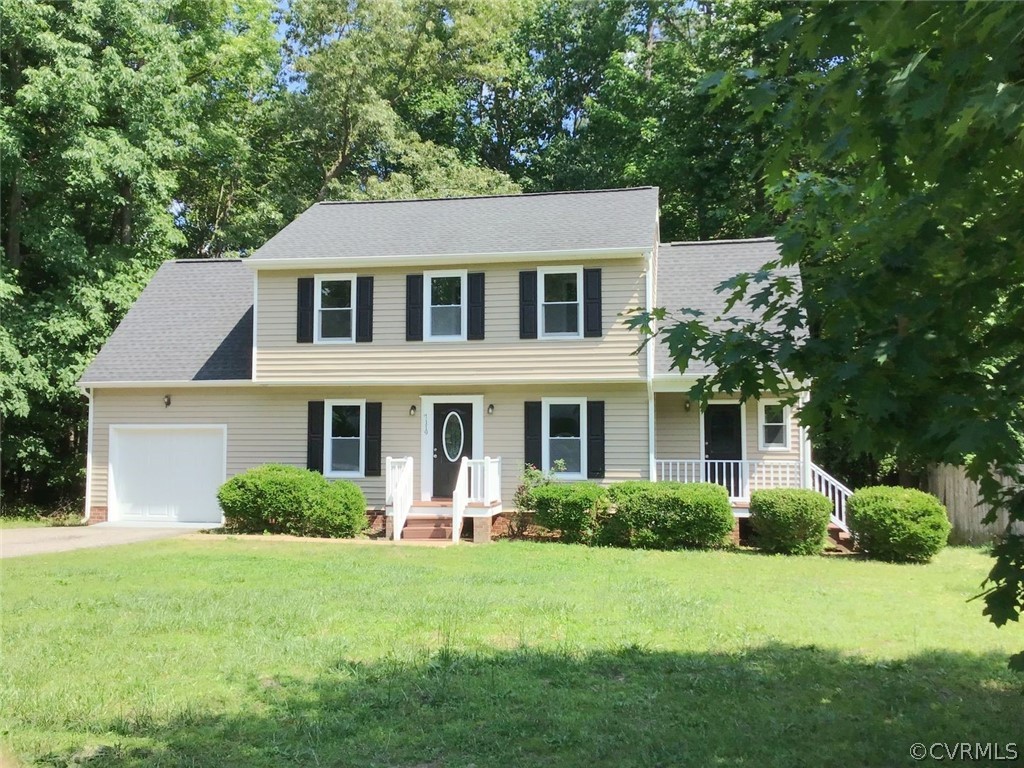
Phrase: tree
pixel 899 172
pixel 104 104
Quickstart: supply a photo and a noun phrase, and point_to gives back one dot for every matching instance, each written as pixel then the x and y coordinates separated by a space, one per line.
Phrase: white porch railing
pixel 484 480
pixel 398 493
pixel 478 482
pixel 837 493
pixel 740 478
pixel 460 498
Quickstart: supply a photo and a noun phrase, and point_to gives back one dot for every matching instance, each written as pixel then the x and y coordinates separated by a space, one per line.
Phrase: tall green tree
pixel 900 176
pixel 103 104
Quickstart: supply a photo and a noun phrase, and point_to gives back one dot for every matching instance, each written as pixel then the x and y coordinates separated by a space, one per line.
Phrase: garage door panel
pixel 161 474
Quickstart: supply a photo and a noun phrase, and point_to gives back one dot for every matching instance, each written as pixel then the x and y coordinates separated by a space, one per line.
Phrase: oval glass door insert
pixel 452 436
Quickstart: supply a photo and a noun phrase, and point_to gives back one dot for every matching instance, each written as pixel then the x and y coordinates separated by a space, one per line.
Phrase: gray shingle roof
pixel 688 274
pixel 193 322
pixel 602 219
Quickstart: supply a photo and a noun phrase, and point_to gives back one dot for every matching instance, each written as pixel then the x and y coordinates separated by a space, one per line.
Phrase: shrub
pixel 662 515
pixel 790 521
pixel 572 509
pixel 524 505
pixel 898 524
pixel 343 514
pixel 281 499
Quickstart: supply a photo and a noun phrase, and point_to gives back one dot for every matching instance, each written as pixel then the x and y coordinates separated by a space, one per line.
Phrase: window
pixel 444 305
pixel 564 425
pixel 559 304
pixel 774 418
pixel 344 432
pixel 335 313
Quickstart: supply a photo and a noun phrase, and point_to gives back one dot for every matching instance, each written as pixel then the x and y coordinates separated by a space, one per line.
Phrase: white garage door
pixel 166 474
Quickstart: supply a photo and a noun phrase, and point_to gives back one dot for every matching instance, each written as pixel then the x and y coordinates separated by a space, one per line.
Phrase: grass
pixel 241 652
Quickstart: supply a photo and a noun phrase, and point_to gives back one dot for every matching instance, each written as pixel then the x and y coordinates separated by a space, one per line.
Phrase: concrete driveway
pixel 17 542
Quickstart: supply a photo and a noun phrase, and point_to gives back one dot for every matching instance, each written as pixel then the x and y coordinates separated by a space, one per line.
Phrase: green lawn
pixel 228 652
pixel 23 522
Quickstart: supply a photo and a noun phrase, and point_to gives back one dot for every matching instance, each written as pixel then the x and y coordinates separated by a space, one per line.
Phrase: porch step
pixel 420 528
pixel 841 538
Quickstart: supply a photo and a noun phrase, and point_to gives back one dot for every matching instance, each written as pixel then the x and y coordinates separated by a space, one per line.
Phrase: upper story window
pixel 774 426
pixel 559 304
pixel 335 308
pixel 444 306
pixel 345 430
pixel 564 431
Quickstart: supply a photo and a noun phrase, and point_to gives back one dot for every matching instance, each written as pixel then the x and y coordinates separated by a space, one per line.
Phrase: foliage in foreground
pixel 572 509
pixel 898 524
pixel 790 521
pixel 275 498
pixel 899 174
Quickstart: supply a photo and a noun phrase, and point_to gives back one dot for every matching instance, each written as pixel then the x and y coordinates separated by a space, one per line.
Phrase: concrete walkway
pixel 17 542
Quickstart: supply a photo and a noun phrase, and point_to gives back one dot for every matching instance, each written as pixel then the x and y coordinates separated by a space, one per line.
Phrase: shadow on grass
pixel 771 706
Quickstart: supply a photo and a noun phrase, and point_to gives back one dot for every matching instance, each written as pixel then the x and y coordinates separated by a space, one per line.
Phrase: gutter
pixel 444 259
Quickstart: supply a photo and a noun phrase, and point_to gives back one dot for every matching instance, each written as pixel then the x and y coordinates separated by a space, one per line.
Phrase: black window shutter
pixel 533 453
pixel 475 319
pixel 315 436
pixel 364 308
pixel 592 302
pixel 414 307
pixel 528 305
pixel 595 439
pixel 371 461
pixel 304 320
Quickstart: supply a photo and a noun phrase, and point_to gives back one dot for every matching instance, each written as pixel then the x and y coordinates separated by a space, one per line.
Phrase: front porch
pixel 476 494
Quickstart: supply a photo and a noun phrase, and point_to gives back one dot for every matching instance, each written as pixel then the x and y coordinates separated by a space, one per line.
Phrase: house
pixel 426 350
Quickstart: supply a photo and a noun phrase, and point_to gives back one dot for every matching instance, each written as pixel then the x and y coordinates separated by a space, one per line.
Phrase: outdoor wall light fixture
pixel 686 406
pixel 167 401
pixel 490 409
pixel 412 410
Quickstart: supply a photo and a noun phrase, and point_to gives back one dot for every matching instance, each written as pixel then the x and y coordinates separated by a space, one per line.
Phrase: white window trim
pixel 762 423
pixel 545 421
pixel 317 294
pixel 428 330
pixel 541 273
pixel 328 444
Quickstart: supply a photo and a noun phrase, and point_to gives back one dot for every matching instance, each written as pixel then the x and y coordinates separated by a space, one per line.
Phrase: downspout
pixel 649 350
pixel 805 446
pixel 88 457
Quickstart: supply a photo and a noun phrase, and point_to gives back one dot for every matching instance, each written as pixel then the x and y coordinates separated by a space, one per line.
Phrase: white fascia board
pixel 681 382
pixel 445 259
pixel 335 383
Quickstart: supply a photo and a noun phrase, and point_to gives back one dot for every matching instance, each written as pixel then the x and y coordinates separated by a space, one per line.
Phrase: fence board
pixel 961 495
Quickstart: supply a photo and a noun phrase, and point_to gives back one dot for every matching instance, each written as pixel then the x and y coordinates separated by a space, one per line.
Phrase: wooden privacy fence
pixel 961 495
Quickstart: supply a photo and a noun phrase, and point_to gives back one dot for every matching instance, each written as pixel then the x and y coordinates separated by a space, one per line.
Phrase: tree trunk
pixel 124 228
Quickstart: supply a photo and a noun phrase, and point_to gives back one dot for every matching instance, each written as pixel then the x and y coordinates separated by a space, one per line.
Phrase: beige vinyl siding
pixel 677 431
pixel 268 424
pixel 501 356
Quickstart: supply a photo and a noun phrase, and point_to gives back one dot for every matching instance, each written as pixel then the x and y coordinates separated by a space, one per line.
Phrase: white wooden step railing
pixel 398 492
pixel 739 477
pixel 478 482
pixel 837 493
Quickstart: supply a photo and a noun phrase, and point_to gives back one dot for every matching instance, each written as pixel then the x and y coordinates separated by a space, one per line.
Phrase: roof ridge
pixel 486 197
pixel 206 261
pixel 673 243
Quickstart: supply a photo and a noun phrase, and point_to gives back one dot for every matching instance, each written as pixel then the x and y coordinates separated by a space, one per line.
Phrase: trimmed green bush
pixel 790 521
pixel 649 515
pixel 276 498
pixel 898 524
pixel 572 509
